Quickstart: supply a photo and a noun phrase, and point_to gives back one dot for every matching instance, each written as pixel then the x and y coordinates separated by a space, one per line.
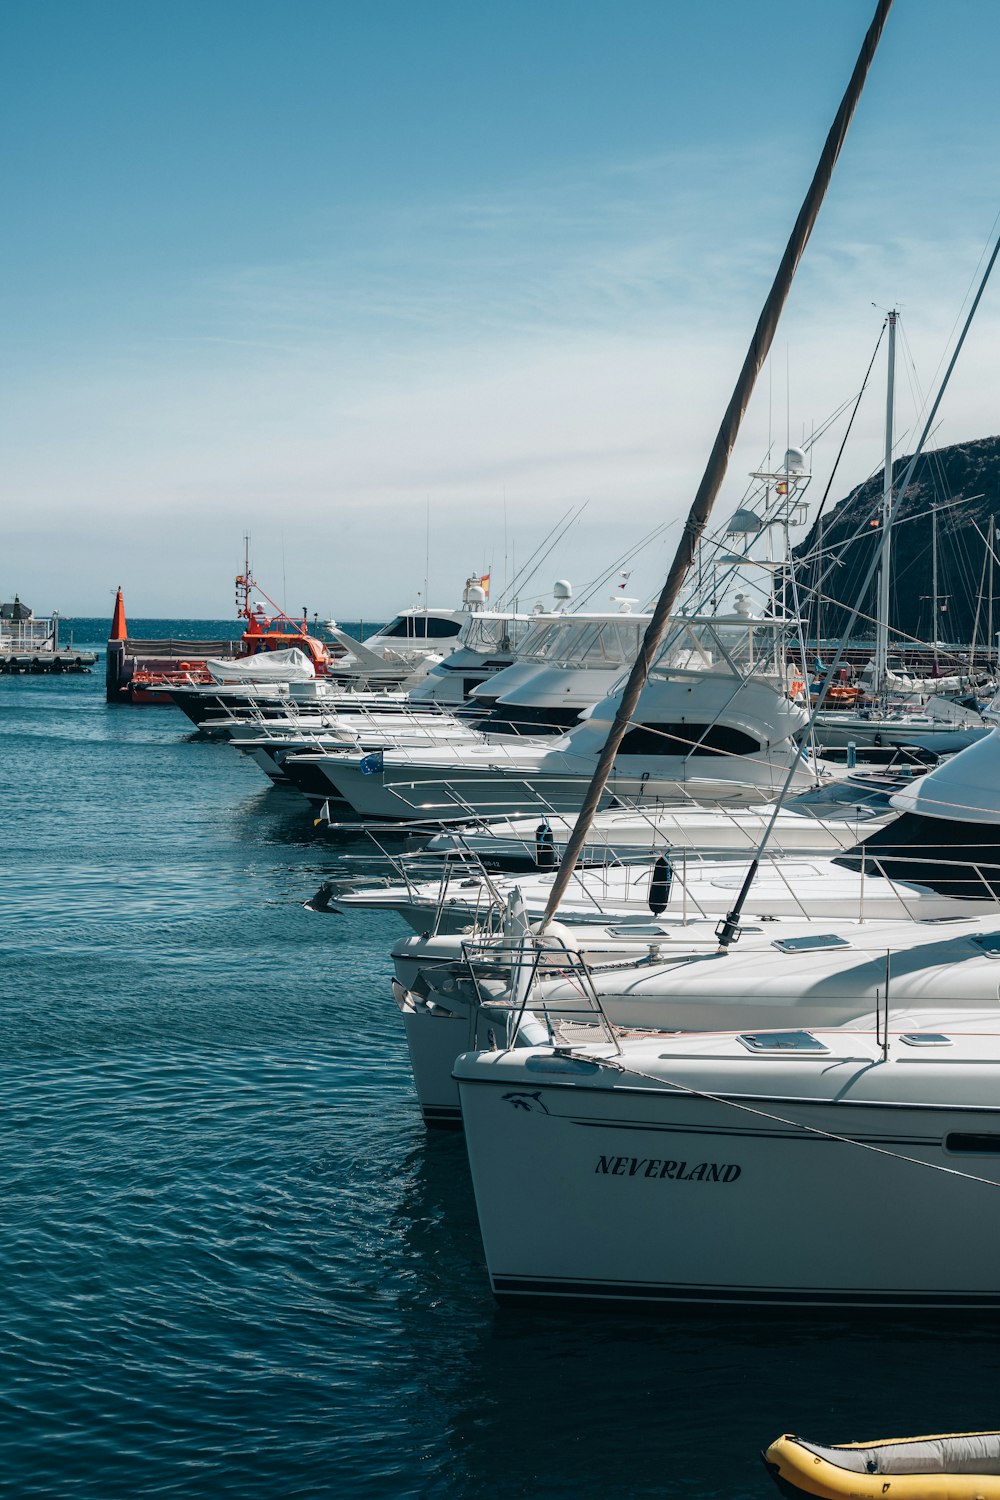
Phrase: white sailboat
pixel 849 1166
pixel 899 713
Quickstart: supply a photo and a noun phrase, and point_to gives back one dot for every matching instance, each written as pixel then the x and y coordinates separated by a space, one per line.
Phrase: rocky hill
pixel 962 483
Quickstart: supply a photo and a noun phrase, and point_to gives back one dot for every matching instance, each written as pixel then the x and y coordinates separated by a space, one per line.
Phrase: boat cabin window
pixel 972 1143
pixel 640 929
pixel 528 718
pixel 421 628
pixel 744 643
pixel 688 739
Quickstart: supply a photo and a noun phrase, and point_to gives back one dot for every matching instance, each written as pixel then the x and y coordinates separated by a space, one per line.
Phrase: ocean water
pixel 232 1260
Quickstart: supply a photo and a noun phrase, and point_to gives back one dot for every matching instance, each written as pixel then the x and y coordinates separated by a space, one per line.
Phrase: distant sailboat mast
pixel 882 611
pixel 934 585
pixel 989 624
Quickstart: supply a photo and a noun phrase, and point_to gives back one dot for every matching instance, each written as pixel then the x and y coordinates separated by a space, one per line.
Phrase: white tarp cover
pixel 266 666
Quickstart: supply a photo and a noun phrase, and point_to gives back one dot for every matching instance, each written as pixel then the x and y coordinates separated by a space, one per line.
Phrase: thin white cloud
pixel 558 341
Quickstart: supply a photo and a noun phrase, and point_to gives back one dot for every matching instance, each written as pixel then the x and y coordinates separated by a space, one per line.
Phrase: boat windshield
pixel 726 641
pixel 488 633
pixel 613 642
pixel 421 627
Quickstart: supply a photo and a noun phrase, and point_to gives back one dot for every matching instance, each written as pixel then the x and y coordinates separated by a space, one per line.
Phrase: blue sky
pixel 320 271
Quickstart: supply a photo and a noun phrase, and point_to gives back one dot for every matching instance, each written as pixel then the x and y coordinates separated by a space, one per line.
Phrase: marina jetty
pixel 32 645
pixel 136 669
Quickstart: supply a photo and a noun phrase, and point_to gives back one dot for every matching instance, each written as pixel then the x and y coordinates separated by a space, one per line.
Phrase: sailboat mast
pixel 934 586
pixel 715 472
pixel 819 597
pixel 882 611
pixel 989 628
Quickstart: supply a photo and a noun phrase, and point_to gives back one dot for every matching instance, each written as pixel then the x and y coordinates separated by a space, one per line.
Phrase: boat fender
pixel 659 885
pixel 545 850
pixel 555 937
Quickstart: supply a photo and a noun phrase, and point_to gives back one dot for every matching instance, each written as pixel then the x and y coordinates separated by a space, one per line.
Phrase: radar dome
pixel 744 523
pixel 562 589
pixel 795 461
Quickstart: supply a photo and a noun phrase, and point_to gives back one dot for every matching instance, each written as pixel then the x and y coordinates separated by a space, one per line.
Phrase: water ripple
pixel 233 1261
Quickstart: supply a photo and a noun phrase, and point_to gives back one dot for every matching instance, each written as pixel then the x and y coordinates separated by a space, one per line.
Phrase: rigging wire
pixel 718 460
pixel 528 569
pixel 847 433
pixel 728 930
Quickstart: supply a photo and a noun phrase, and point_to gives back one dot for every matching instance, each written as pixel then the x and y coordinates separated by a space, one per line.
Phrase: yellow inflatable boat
pixel 945 1466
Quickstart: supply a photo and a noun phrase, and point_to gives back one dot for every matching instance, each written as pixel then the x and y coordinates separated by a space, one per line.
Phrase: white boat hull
pixel 788 890
pixel 837 732
pixel 457 793
pixel 629 1193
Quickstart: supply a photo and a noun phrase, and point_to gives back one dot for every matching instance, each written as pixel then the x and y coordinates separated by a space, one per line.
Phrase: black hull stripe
pixel 791 1133
pixel 526 1286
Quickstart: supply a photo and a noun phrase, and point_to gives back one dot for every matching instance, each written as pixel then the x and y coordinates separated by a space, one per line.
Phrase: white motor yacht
pixel 725 729
pixel 362 728
pixel 399 655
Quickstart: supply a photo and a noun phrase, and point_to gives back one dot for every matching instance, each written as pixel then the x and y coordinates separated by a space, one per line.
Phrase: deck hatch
pixel 810 943
pixel 640 929
pixel 781 1041
pixel 925 1039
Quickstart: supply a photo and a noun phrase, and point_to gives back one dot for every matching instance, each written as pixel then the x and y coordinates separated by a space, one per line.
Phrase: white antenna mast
pixel 427 554
pixel 882 612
